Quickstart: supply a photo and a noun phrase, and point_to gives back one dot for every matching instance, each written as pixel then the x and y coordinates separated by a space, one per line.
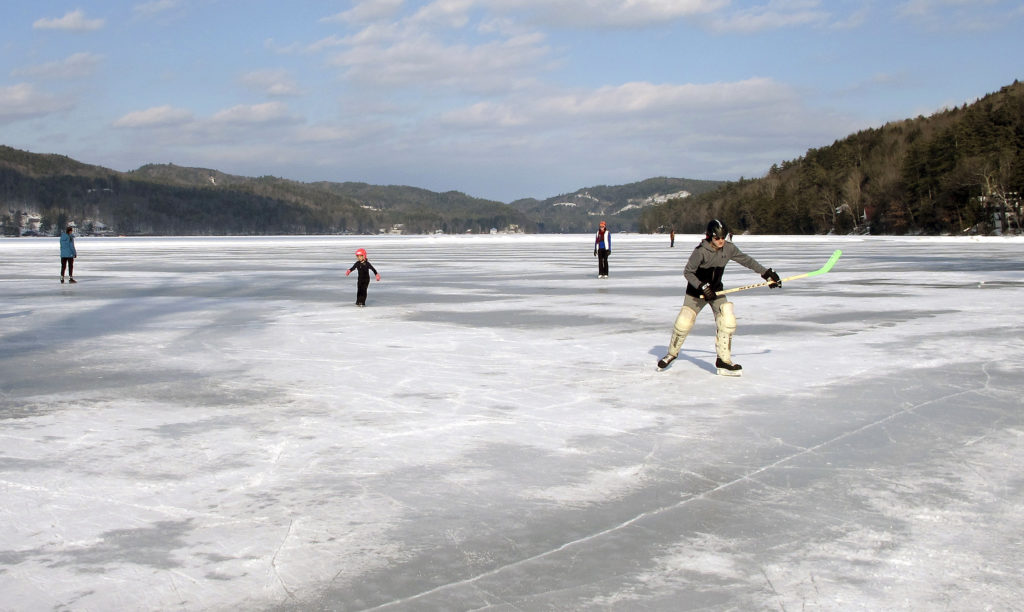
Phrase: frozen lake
pixel 211 424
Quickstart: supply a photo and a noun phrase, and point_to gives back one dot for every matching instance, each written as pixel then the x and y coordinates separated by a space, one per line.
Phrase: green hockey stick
pixel 825 268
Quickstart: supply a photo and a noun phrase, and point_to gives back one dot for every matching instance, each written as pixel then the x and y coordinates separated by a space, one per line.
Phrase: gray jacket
pixel 706 265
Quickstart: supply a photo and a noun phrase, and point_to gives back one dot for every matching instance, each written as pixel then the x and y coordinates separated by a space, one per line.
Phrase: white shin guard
pixel 725 322
pixel 682 327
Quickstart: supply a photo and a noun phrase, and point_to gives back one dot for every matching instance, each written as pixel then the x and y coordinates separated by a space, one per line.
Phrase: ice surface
pixel 211 424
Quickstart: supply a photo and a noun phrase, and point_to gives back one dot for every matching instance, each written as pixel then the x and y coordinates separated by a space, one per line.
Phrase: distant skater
pixel 68 253
pixel 602 249
pixel 672 238
pixel 703 273
pixel 364 266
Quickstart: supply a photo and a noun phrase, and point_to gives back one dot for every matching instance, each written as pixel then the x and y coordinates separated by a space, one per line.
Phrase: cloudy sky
pixel 500 99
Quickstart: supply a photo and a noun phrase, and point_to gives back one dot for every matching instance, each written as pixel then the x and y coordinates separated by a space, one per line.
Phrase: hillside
pixel 173 200
pixel 60 190
pixel 958 171
pixel 48 191
pixel 620 205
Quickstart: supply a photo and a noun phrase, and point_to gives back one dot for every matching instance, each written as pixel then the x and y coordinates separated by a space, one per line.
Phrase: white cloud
pixel 74 21
pixel 24 101
pixel 241 126
pixel 424 60
pixel 614 13
pixel 631 14
pixel 920 8
pixel 271 82
pixel 367 10
pixel 156 7
pixel 447 13
pixel 318 46
pixel 774 15
pixel 270 112
pixel 620 102
pixel 73 66
pixel 572 13
pixel 854 20
pixel 158 116
pixel 325 43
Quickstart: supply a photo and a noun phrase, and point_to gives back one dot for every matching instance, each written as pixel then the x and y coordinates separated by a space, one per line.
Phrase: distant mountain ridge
pixel 166 199
pixel 620 205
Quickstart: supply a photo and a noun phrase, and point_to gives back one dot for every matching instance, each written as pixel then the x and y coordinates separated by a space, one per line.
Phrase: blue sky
pixel 500 99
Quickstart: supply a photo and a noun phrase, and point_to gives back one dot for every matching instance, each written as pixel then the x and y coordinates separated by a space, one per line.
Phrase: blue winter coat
pixel 67 245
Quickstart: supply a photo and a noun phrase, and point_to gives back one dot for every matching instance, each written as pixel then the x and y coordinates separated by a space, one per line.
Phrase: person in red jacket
pixel 364 266
pixel 602 249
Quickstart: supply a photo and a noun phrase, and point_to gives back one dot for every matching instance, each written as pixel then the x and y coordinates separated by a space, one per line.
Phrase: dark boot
pixel 728 369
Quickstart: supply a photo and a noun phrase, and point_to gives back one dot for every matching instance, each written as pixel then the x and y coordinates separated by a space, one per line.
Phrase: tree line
pixel 170 200
pixel 958 171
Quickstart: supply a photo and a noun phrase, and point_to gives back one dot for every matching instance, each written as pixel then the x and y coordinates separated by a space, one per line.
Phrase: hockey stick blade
pixel 822 270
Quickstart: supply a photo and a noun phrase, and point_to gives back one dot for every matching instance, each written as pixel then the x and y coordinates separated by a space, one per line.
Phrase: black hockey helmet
pixel 716 229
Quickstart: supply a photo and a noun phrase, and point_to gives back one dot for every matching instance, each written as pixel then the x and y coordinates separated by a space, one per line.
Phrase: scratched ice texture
pixel 211 424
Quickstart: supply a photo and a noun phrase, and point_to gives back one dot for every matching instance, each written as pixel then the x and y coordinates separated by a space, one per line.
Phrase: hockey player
pixel 703 275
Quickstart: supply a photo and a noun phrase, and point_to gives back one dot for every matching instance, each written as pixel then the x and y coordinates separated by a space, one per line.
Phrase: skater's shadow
pixel 704 360
pixel 702 363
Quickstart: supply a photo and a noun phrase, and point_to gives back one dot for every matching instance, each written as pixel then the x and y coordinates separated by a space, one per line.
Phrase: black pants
pixel 361 291
pixel 602 262
pixel 69 263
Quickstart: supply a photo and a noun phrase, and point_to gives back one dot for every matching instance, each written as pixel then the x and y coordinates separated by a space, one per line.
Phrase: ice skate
pixel 728 369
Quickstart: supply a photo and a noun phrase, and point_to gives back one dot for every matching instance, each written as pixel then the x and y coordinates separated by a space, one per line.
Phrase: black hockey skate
pixel 664 361
pixel 728 369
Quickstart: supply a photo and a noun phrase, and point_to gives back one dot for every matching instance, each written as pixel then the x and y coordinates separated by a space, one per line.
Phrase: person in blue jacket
pixel 602 249
pixel 68 253
pixel 363 266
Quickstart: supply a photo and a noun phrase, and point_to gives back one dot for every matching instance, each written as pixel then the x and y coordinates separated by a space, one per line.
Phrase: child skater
pixel 364 266
pixel 68 253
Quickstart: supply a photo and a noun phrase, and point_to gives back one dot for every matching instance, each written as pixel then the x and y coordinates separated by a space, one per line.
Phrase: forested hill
pixel 959 170
pixel 620 205
pixel 174 200
pixel 47 191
